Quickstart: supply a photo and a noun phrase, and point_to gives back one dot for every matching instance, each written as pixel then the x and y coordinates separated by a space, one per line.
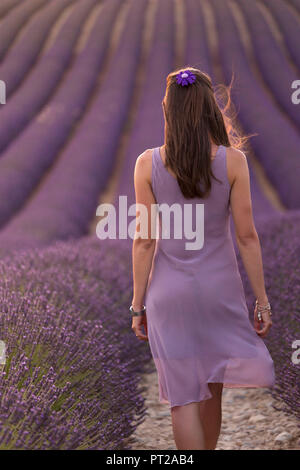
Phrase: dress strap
pixel 155 156
pixel 222 155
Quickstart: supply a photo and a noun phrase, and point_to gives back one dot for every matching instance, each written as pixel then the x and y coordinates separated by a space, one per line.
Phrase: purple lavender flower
pixel 280 234
pixel 185 77
pixel 73 366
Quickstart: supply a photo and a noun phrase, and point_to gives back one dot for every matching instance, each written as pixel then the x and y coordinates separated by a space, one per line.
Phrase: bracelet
pixel 137 314
pixel 262 309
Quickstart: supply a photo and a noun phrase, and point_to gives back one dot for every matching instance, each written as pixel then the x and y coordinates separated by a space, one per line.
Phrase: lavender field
pixel 84 84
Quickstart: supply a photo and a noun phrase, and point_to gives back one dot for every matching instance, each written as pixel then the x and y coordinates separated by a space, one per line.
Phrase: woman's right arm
pixel 246 234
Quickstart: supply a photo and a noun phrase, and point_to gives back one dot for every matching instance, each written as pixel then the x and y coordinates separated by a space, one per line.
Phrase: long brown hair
pixel 193 118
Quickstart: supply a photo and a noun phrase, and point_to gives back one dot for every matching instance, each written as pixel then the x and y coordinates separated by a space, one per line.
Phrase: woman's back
pixel 202 222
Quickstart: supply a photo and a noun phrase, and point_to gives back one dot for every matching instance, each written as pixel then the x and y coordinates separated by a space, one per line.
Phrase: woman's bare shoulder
pixel 236 163
pixel 236 156
pixel 145 157
pixel 143 164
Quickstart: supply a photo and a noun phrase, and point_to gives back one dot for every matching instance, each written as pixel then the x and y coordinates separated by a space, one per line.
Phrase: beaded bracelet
pixel 262 308
pixel 137 314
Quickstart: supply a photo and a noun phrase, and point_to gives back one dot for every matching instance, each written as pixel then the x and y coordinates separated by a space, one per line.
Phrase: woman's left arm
pixel 142 248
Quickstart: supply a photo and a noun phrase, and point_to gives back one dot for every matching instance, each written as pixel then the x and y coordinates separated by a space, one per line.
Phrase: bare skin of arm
pixel 246 234
pixel 142 248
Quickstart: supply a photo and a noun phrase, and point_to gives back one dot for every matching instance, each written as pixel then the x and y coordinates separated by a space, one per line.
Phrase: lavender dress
pixel 198 325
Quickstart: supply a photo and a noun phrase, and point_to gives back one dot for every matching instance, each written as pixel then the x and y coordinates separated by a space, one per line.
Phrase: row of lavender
pixel 280 239
pixel 33 152
pixel 27 158
pixel 36 88
pixel 6 6
pixel 73 365
pixel 72 371
pixel 277 143
pixel 274 66
pixel 69 342
pixel 14 20
pixel 67 198
pixel 22 56
pixel 296 4
pixel 63 207
pixel 288 24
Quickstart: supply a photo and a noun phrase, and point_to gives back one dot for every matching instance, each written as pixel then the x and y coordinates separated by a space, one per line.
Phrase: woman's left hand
pixel 137 323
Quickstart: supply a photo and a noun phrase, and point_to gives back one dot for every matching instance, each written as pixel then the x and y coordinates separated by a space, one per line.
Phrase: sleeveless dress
pixel 199 329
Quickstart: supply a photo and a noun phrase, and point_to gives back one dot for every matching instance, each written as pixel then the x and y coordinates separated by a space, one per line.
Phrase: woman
pixel 196 317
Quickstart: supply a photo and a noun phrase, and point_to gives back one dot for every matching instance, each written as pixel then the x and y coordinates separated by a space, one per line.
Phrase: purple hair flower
pixel 185 77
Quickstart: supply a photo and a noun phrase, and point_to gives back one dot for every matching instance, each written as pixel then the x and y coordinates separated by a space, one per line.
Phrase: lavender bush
pixel 66 202
pixel 288 24
pixel 296 4
pixel 33 152
pixel 36 88
pixel 15 19
pixel 23 54
pixel 280 239
pixel 6 6
pixel 73 363
pixel 277 143
pixel 274 66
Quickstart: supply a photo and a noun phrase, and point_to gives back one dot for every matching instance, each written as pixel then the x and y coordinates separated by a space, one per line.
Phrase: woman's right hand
pixel 262 326
pixel 137 323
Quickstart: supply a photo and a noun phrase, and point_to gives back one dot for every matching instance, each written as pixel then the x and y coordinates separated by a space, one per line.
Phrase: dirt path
pixel 249 422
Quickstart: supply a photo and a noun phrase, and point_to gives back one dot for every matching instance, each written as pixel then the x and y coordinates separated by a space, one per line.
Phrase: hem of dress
pixel 165 401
